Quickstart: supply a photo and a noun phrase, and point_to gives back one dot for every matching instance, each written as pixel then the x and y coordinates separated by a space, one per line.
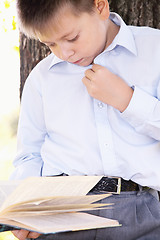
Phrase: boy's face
pixel 76 39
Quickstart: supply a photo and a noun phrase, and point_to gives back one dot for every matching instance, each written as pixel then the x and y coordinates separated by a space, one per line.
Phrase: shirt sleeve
pixel 31 131
pixel 143 113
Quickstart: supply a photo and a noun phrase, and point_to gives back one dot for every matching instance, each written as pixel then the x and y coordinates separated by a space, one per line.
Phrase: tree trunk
pixel 138 12
pixel 31 52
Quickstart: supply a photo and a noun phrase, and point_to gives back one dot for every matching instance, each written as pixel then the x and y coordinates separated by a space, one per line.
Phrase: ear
pixel 102 7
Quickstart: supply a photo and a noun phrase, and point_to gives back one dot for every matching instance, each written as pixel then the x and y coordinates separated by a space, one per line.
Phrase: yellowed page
pixel 15 224
pixel 40 187
pixel 65 222
pixel 59 201
pixel 54 210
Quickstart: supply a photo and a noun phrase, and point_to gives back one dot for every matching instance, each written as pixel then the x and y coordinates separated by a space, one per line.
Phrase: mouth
pixel 78 61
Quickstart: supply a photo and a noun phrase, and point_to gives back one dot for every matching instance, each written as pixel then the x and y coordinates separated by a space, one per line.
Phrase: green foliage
pixel 8 21
pixel 7 15
pixel 7 3
pixel 14 23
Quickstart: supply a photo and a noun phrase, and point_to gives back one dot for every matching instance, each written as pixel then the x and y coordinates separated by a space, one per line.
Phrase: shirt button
pixel 100 104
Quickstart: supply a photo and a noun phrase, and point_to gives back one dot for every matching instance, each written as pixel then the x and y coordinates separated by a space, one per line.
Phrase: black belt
pixel 114 185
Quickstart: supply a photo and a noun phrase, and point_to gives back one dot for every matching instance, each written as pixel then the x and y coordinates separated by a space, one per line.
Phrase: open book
pixel 52 204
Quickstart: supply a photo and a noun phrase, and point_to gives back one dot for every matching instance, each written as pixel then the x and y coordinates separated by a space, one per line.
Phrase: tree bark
pixel 138 12
pixel 134 12
pixel 31 52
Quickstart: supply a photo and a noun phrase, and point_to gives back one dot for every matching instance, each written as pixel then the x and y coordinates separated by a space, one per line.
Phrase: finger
pixel 33 235
pixel 89 73
pixel 20 234
pixel 95 67
pixel 86 82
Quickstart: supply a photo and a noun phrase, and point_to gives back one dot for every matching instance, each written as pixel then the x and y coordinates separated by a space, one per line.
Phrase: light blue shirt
pixel 63 129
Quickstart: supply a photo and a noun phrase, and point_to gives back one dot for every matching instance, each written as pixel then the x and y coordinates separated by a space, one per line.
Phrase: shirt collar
pixel 55 61
pixel 124 38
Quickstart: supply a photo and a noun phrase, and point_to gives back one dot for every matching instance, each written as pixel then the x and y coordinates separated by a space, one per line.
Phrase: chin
pixel 85 63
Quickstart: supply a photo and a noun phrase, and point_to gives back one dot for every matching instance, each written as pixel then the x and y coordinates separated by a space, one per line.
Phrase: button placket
pixel 104 135
pixel 100 104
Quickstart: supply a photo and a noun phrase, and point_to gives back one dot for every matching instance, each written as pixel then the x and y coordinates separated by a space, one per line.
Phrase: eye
pixel 73 39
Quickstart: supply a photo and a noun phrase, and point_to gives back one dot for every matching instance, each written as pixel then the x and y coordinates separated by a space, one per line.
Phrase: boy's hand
pixel 23 234
pixel 107 87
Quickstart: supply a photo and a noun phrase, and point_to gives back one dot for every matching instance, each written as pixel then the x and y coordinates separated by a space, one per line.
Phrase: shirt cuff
pixel 140 108
pixel 27 169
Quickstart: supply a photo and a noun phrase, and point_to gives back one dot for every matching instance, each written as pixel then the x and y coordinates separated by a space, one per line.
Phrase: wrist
pixel 125 99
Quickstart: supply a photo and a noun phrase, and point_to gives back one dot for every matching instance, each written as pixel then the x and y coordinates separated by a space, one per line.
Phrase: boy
pixel 92 108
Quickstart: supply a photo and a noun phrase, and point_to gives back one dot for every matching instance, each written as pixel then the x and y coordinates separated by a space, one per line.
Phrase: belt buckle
pixel 118 185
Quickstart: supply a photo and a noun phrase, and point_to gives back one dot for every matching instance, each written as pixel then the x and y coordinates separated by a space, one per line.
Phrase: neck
pixel 112 31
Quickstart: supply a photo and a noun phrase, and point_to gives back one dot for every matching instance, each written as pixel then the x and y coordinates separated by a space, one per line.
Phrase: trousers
pixel 138 212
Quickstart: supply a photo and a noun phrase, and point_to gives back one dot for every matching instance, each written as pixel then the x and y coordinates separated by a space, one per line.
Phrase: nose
pixel 65 52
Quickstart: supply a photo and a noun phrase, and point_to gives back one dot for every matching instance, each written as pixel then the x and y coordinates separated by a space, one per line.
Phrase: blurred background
pixel 9 90
pixel 9 85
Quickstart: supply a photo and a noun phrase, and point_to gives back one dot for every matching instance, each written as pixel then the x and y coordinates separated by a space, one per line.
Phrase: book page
pixel 58 201
pixel 41 187
pixel 65 222
pixel 54 210
pixel 9 225
pixel 65 204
